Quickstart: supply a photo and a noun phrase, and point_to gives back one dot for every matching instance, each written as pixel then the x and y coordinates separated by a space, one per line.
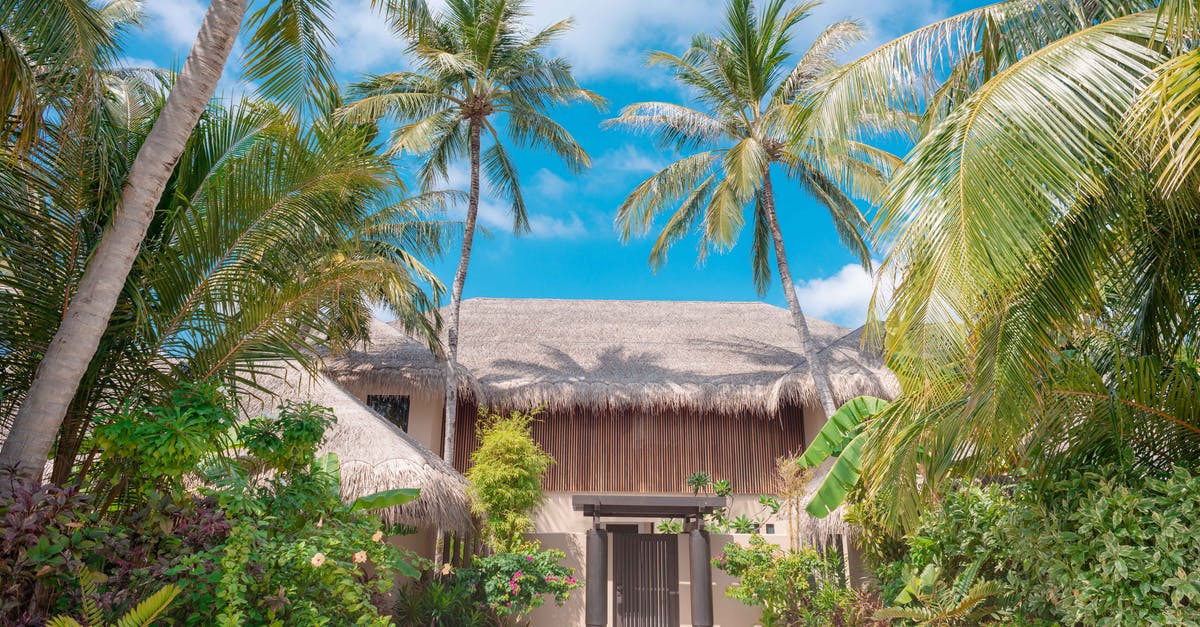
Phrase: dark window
pixel 770 529
pixel 392 407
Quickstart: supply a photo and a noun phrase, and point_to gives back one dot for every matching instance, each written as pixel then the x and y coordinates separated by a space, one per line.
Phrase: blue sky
pixel 573 251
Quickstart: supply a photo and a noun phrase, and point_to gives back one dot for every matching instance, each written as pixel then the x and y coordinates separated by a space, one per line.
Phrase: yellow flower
pixel 378 536
pixel 446 568
pixel 317 560
pixel 360 557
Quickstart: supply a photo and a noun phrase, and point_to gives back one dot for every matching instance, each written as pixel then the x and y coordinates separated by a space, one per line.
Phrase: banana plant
pixel 842 438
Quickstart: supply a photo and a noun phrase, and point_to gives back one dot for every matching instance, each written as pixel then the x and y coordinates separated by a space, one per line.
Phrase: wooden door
pixel 646 580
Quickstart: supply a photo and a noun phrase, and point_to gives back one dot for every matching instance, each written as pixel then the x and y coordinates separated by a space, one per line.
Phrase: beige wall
pixel 424 410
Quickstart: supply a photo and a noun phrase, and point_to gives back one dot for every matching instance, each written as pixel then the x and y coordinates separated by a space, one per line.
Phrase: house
pixel 375 455
pixel 634 397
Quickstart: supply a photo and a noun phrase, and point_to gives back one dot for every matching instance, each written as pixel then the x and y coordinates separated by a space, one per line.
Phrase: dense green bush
pixel 793 588
pixel 1092 548
pixel 506 478
pixel 252 548
pixel 1100 549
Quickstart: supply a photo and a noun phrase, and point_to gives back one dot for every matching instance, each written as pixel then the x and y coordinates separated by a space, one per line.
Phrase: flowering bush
pixel 513 584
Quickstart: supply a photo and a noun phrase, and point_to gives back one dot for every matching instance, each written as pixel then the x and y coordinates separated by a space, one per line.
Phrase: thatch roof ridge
pixel 713 355
pixel 376 455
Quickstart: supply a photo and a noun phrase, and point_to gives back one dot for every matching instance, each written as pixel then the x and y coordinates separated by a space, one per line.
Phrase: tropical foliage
pixel 55 66
pixel 794 587
pixel 1036 322
pixel 478 71
pixel 204 298
pixel 267 538
pixel 1099 547
pixel 751 99
pixel 506 478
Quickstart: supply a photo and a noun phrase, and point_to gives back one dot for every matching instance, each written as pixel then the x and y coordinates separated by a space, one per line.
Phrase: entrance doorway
pixel 646 579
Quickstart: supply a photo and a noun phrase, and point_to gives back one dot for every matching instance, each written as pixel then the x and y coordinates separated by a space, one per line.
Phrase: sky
pixel 573 250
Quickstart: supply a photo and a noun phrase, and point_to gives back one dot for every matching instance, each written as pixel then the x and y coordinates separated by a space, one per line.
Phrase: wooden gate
pixel 646 579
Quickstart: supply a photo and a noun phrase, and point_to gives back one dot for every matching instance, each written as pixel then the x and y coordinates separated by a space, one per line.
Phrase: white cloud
pixel 842 298
pixel 550 227
pixel 177 20
pixel 550 185
pixel 612 38
pixel 365 42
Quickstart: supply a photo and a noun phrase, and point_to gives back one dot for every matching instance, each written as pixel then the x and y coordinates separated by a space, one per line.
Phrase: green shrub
pixel 260 549
pixel 1092 548
pixel 791 587
pixel 506 478
pixel 513 584
pixel 1097 549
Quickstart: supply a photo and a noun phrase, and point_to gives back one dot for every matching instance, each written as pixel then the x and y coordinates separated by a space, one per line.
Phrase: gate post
pixel 701 567
pixel 596 600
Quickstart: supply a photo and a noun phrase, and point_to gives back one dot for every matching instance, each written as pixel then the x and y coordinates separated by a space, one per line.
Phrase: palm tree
pixel 286 50
pixel 1045 234
pixel 751 121
pixel 271 243
pixel 475 69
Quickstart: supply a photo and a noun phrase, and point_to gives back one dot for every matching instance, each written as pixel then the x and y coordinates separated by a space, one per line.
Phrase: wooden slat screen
pixel 622 451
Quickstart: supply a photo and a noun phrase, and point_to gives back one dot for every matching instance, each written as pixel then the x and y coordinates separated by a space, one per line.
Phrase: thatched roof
pixel 560 353
pixel 375 455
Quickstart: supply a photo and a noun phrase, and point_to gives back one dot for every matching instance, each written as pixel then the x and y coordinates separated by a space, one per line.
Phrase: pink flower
pixel 528 558
pixel 549 578
pixel 360 557
pixel 570 580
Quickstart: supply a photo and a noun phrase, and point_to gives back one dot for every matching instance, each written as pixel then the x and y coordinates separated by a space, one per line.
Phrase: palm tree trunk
pixel 66 360
pixel 816 363
pixel 460 277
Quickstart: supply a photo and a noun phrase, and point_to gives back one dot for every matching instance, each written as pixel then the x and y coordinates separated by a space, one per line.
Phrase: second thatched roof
pixel 670 354
pixel 375 455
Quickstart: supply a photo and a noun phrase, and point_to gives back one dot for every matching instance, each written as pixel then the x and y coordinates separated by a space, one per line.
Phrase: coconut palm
pixel 1044 233
pixel 477 73
pixel 286 51
pixel 272 243
pixel 750 122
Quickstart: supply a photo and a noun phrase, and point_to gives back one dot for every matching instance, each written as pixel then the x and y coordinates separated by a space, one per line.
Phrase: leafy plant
pixel 669 527
pixel 514 583
pixel 842 437
pixel 289 440
pixel 142 615
pixel 444 601
pixel 791 587
pixel 506 478
pixel 699 481
pixel 928 601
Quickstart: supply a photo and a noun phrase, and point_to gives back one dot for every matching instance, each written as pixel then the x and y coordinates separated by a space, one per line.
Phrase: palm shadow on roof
pixel 619 364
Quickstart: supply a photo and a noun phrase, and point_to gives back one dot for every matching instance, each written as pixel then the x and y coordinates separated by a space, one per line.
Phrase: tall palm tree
pixel 477 71
pixel 1044 232
pixel 751 121
pixel 270 244
pixel 286 49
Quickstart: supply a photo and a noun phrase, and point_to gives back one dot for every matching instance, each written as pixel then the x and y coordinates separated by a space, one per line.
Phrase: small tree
pixel 506 478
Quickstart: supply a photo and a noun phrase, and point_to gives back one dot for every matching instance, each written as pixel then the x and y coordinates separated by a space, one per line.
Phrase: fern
pixel 142 615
